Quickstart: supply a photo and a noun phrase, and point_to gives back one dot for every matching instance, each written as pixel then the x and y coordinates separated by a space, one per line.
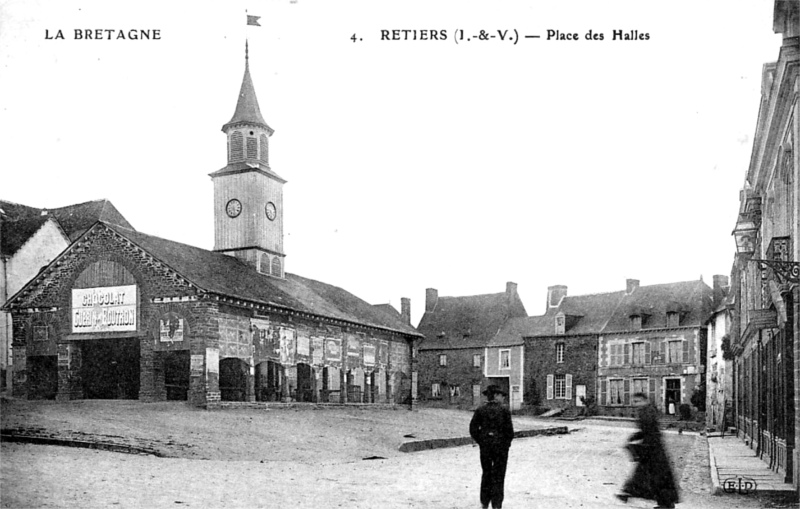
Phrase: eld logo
pixel 740 485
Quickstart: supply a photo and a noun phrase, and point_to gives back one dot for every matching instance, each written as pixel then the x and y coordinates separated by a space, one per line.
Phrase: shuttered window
pixel 568 386
pixel 549 386
pixel 237 147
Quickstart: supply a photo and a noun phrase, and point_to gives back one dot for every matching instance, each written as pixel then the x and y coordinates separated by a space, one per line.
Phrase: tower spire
pixel 247 110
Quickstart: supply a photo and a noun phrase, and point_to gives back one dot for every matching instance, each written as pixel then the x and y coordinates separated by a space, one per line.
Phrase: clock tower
pixel 248 195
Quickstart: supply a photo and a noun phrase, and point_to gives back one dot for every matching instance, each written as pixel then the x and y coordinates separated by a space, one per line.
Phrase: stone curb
pixel 438 443
pixel 105 446
pixel 716 487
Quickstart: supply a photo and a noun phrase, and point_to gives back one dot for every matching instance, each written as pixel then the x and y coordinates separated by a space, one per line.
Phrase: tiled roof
pixel 458 322
pixel 514 329
pixel 19 222
pixel 593 311
pixel 229 276
pixel 692 298
pixel 388 308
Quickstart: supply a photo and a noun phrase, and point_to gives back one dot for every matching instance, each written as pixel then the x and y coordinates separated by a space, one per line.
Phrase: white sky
pixel 410 164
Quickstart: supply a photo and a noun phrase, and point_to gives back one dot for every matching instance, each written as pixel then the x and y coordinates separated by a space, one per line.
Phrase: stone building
pixel 30 238
pixel 766 275
pixel 719 375
pixel 453 358
pixel 123 314
pixel 655 343
pixel 561 349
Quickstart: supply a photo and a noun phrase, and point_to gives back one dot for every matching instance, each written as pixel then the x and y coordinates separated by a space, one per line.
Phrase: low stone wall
pixel 438 443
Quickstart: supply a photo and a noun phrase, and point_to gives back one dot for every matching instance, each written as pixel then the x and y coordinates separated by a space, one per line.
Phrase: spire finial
pixel 246 50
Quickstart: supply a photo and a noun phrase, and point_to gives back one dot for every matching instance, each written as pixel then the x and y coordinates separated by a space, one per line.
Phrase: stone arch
pixel 233 379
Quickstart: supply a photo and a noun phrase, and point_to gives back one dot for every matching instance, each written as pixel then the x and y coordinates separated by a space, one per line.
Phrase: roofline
pixel 267 171
pixel 550 336
pixel 479 347
pixel 198 287
pixel 656 329
pixel 8 307
pixel 307 314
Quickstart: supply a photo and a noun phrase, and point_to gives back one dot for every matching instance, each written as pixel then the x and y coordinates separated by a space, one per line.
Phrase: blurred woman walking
pixel 652 479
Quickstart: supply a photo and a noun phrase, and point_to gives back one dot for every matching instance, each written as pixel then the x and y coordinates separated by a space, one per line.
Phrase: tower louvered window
pixel 276 267
pixel 252 148
pixel 264 148
pixel 237 147
pixel 264 266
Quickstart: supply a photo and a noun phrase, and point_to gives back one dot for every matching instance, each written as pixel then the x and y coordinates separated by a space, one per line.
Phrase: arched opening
pixel 110 368
pixel 331 385
pixel 355 385
pixel 42 376
pixel 176 375
pixel 233 379
pixel 269 381
pixel 306 383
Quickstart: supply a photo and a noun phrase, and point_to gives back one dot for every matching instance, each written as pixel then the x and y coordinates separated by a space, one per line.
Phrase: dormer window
pixel 636 322
pixel 560 324
pixel 673 318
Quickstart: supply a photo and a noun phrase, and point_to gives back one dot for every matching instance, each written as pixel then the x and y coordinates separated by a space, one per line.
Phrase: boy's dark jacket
pixel 491 425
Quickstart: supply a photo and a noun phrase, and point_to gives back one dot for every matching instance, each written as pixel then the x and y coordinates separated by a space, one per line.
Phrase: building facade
pixel 454 359
pixel 654 343
pixel 719 375
pixel 561 349
pixel 123 314
pixel 30 238
pixel 766 276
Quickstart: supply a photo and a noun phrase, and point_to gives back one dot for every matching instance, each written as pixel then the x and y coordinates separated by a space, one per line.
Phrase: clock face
pixel 271 211
pixel 233 208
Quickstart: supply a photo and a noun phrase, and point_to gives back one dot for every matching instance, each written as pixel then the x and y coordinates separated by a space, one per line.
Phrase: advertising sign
pixel 171 328
pixel 197 365
pixel 333 350
pixel 369 354
pixel 104 309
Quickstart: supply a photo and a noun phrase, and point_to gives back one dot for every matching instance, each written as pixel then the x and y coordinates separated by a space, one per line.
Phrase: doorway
pixel 580 393
pixel 42 376
pixel 233 379
pixel 269 380
pixel 672 395
pixel 306 383
pixel 110 368
pixel 176 375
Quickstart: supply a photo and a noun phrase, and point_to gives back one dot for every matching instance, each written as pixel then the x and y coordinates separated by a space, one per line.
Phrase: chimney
pixel 511 292
pixel 555 294
pixel 431 298
pixel 405 309
pixel 631 285
pixel 720 285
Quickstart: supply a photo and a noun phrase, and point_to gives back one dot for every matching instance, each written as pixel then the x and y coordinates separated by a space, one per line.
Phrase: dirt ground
pixel 304 434
pixel 316 459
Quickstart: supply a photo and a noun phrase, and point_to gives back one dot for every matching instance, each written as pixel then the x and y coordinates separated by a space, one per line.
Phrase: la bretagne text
pixel 106 34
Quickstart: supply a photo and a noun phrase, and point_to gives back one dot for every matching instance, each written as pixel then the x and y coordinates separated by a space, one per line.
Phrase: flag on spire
pixel 253 20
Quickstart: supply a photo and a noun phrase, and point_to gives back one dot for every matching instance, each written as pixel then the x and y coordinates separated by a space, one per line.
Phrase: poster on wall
pixel 287 346
pixel 369 355
pixel 353 347
pixel 303 344
pixel 333 350
pixel 171 328
pixel 104 309
pixel 317 351
pixel 212 360
pixel 197 365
